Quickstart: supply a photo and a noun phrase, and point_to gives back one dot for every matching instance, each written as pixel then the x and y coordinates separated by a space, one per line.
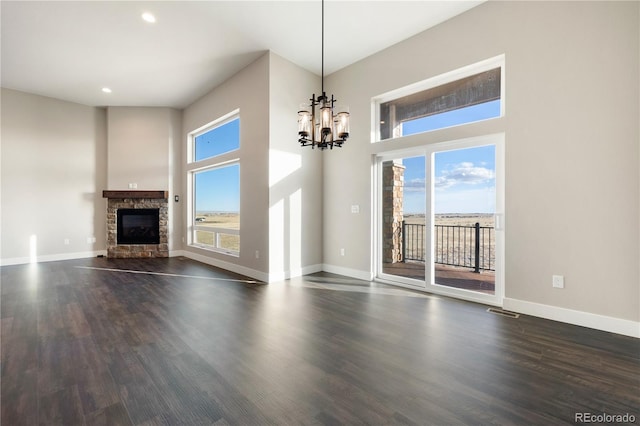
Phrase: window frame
pixel 434 82
pixel 226 159
pixel 191 146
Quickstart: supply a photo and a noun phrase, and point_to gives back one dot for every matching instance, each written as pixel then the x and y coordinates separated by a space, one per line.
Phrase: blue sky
pixel 452 118
pixel 218 141
pixel 464 179
pixel 218 189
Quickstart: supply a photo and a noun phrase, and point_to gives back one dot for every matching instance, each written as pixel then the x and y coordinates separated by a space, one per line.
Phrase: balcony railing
pixel 465 246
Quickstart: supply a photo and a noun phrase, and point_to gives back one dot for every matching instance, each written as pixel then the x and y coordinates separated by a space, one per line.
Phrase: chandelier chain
pixel 322 53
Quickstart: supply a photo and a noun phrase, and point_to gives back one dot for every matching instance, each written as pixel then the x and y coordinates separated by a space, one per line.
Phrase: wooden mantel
pixel 136 194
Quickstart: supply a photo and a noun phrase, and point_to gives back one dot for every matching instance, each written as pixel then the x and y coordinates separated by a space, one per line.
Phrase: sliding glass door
pixel 441 218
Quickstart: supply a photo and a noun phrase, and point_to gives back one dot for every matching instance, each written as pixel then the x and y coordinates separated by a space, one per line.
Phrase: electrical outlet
pixel 355 208
pixel 133 186
pixel 558 281
pixel 66 241
pixel 257 254
pixel 341 252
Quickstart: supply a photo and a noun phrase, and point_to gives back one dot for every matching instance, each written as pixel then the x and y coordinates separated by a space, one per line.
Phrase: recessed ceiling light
pixel 106 90
pixel 149 17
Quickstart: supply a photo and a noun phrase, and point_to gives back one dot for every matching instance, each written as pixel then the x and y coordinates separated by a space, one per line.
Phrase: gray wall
pixel 248 91
pixel 144 148
pixel 139 140
pixel 281 184
pixel 295 184
pixel 58 157
pixel 53 173
pixel 571 131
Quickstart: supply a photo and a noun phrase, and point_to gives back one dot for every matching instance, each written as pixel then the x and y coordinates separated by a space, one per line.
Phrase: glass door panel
pixel 403 233
pixel 463 231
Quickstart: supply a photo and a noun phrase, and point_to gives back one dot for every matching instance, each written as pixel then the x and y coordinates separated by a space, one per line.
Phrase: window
pixel 214 180
pixel 218 140
pixel 464 96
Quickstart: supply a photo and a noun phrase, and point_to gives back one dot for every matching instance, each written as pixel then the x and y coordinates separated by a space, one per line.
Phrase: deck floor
pixel 450 276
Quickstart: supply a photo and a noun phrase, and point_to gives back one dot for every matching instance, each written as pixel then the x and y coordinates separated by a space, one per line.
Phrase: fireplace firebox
pixel 138 226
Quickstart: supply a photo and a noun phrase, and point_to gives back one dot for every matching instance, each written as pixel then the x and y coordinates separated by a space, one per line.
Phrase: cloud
pixel 463 173
pixel 414 185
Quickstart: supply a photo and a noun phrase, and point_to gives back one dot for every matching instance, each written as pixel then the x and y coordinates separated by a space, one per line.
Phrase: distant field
pixel 218 220
pixel 232 221
pixel 454 219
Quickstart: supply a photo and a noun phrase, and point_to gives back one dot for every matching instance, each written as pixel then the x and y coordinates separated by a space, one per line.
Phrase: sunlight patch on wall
pixel 295 231
pixel 282 164
pixel 276 236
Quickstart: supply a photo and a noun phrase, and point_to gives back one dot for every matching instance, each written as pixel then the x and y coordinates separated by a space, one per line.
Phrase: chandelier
pixel 322 123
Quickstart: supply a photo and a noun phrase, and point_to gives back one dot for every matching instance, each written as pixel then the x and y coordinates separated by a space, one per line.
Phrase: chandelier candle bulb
pixel 326 118
pixel 304 120
pixel 342 122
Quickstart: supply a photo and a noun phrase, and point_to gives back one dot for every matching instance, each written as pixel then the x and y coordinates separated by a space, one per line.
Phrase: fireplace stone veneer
pixel 136 200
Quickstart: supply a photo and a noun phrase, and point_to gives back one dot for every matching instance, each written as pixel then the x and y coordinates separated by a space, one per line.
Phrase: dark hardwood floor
pixel 84 342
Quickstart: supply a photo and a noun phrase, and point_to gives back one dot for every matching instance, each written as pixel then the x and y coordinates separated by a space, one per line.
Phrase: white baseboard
pixel 272 277
pixel 285 275
pixel 570 316
pixel 348 272
pixel 238 269
pixel 51 257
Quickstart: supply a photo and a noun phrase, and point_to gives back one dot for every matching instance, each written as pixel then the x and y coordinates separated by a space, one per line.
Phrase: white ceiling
pixel 70 50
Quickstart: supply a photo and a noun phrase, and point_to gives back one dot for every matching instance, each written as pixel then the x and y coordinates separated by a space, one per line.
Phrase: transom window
pixel 217 140
pixel 464 96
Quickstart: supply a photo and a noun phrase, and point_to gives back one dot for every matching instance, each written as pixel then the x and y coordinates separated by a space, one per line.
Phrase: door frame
pixel 428 285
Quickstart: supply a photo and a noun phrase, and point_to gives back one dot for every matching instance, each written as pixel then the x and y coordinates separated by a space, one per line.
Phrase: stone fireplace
pixel 139 207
